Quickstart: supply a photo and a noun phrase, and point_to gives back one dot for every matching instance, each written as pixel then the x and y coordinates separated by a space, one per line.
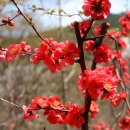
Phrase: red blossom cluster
pixel 83 26
pixel 116 99
pixel 125 123
pixel 117 35
pixel 13 51
pixel 100 81
pixel 100 126
pixel 125 68
pixel 8 21
pixel 97 9
pixel 89 45
pixel 103 53
pixel 125 23
pixel 98 29
pixel 55 111
pixel 114 34
pixel 55 55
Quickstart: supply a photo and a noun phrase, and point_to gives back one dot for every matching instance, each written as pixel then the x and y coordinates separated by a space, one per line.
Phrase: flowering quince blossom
pixel 89 45
pixel 25 48
pixel 94 83
pixel 97 29
pixel 124 21
pixel 114 34
pixel 83 26
pixel 10 23
pixel 55 55
pixel 29 114
pixel 100 126
pixel 124 124
pixel 101 80
pixel 116 99
pixel 103 53
pixel 55 111
pixel 55 118
pixel 94 110
pixel 74 117
pixel 97 9
pixel 117 55
pixel 2 55
pixel 13 51
pixel 125 69
pixel 122 44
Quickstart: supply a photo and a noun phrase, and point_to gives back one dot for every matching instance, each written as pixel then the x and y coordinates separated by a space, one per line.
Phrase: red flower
pixel 117 54
pixel 116 99
pixel 55 55
pixel 122 44
pixel 39 103
pixel 89 45
pixel 29 114
pixel 2 55
pixel 55 118
pixel 83 26
pixel 114 34
pixel 55 103
pixel 10 23
pixel 103 53
pixel 74 117
pixel 109 88
pixel 98 29
pixel 94 110
pixel 125 123
pixel 125 22
pixel 70 52
pixel 25 48
pixel 100 126
pixel 12 52
pixel 97 9
pixel 97 81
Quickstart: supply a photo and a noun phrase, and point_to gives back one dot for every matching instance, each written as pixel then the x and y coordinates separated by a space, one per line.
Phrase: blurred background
pixel 20 81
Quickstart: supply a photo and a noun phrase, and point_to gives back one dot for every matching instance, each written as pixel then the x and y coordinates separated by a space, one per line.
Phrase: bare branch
pixel 11 103
pixel 29 22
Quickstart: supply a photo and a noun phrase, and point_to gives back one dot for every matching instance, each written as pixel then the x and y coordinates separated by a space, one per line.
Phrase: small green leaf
pixel 52 11
pixel 60 11
pixel 80 12
pixel 34 6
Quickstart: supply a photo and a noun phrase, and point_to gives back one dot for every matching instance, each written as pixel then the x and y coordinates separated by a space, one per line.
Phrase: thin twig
pixel 48 12
pixel 11 103
pixel 29 22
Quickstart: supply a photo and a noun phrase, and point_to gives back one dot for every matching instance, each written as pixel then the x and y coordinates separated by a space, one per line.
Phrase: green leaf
pixel 52 11
pixel 34 6
pixel 60 11
pixel 80 12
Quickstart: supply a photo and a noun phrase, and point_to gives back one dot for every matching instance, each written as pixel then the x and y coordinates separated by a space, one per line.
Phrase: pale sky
pixel 70 6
